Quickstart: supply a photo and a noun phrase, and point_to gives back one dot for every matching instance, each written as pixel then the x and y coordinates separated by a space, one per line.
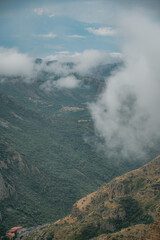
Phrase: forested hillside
pixel 48 155
pixel 124 208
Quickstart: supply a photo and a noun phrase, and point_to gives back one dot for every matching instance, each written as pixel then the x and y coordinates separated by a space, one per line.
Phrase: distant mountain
pixel 127 208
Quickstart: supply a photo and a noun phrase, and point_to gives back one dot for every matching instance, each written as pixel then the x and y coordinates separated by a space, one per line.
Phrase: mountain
pixel 128 207
pixel 48 150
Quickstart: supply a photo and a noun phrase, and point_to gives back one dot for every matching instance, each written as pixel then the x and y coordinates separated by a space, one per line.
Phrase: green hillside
pixel 124 208
pixel 48 132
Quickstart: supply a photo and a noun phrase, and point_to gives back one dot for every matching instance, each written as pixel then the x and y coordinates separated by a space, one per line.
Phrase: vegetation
pixel 45 163
pixel 134 214
pixel 110 212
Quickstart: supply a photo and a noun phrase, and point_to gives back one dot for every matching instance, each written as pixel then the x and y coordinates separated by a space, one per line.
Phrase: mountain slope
pixel 53 155
pixel 49 130
pixel 130 202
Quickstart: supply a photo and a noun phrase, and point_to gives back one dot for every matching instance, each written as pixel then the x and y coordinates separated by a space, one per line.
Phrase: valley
pixel 48 152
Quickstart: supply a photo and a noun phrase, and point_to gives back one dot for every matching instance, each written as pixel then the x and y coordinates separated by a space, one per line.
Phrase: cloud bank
pixel 127 113
pixel 61 69
pixel 65 65
pixel 82 63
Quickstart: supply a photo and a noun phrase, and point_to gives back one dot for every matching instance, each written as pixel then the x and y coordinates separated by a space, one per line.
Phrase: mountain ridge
pixel 125 208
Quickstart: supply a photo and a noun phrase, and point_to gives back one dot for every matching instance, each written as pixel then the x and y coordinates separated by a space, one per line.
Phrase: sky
pixel 42 28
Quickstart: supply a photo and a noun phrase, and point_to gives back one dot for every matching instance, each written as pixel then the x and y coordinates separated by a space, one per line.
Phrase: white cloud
pixel 102 31
pixel 42 11
pixel 51 15
pixel 69 82
pixel 77 36
pixel 38 11
pixel 65 65
pixel 63 52
pixel 116 55
pixel 58 67
pixel 13 63
pixel 49 35
pixel 127 113
pixel 90 59
pixel 83 63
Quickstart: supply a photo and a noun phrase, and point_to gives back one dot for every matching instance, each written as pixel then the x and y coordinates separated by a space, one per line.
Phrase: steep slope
pixel 50 131
pixel 54 155
pixel 14 170
pixel 121 209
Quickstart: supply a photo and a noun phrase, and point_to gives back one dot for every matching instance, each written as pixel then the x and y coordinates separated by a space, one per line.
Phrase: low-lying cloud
pixel 127 113
pixel 82 63
pixel 13 63
pixel 66 66
pixel 69 82
pixel 61 68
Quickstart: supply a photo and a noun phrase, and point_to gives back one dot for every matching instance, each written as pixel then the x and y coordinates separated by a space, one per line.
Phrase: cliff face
pixel 125 208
